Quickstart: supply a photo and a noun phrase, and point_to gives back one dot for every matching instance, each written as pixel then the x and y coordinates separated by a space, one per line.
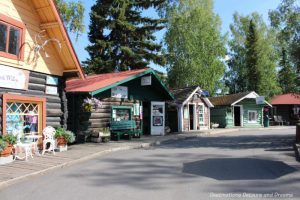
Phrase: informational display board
pixel 146 80
pixel 157 118
pixel 260 100
pixel 51 80
pixel 119 92
pixel 51 90
pixel 13 78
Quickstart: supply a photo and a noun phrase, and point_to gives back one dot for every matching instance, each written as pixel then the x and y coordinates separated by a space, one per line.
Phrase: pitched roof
pixel 181 94
pixel 53 24
pixel 285 99
pixel 227 99
pixel 98 83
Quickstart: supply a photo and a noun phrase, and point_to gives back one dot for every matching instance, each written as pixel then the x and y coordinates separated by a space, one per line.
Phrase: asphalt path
pixel 239 165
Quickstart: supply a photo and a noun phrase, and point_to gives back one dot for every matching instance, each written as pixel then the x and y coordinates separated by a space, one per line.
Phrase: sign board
pixel 51 80
pixel 146 80
pixel 260 100
pixel 51 90
pixel 119 92
pixel 13 78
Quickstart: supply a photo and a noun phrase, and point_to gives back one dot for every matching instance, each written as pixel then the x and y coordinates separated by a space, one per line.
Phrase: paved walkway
pixel 20 170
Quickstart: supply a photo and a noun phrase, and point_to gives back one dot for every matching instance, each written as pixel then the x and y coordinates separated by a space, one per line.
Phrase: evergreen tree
pixel 252 64
pixel 194 44
pixel 121 38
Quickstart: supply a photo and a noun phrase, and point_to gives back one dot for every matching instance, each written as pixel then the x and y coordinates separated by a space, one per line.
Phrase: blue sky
pixel 224 8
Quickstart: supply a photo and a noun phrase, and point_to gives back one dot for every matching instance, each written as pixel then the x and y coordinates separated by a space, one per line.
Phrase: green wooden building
pixel 238 110
pixel 136 95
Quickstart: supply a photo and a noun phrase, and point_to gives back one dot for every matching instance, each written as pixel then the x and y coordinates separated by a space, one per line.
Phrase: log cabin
pixel 36 59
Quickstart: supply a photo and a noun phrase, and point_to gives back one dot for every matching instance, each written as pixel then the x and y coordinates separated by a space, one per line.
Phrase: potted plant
pixel 104 134
pixel 91 103
pixel 6 148
pixel 63 137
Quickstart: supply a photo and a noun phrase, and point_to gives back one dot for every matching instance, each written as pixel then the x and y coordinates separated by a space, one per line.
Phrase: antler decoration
pixel 40 43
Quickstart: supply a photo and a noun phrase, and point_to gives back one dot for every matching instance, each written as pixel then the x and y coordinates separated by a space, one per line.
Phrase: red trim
pixel 12 22
pixel 68 40
pixel 7 97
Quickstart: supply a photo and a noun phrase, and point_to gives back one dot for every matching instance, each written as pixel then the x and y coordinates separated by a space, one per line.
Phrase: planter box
pixel 6 160
pixel 62 148
pixel 101 137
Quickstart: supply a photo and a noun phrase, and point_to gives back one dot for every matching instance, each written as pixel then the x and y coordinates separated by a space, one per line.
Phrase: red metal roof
pixel 293 99
pixel 99 81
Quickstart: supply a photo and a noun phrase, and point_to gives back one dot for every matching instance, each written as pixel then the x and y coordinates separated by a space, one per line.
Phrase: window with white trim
pixel 252 116
pixel 201 114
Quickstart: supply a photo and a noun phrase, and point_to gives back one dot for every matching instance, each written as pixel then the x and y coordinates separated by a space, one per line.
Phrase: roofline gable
pixel 149 71
pixel 248 96
pixel 67 37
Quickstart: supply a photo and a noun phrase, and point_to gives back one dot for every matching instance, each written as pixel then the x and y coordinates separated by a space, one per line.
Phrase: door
pixel 157 118
pixel 192 116
pixel 237 116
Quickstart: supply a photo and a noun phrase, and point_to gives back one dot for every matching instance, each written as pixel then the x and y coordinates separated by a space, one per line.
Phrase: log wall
pixel 56 105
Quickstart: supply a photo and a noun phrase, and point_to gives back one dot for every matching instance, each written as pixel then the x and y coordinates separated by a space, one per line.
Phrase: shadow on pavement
pixel 238 169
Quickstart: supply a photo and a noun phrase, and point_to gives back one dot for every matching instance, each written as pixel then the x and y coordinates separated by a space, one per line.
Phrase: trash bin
pixel 266 121
pixel 298 133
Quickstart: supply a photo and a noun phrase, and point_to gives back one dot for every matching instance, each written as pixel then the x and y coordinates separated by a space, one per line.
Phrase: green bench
pixel 124 128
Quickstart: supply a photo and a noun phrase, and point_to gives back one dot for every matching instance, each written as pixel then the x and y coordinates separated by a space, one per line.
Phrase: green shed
pixel 238 110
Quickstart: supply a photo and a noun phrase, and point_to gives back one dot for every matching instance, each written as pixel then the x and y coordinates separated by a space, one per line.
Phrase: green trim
pixel 149 71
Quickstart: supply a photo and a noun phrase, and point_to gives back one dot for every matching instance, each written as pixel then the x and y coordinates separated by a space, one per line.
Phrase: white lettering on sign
pixel 13 78
pixel 119 92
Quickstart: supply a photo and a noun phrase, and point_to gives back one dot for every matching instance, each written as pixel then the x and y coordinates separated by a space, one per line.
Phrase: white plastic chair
pixel 48 133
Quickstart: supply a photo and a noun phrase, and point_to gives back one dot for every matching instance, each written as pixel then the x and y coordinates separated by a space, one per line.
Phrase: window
pixel 252 116
pixel 11 37
pixel 201 114
pixel 23 114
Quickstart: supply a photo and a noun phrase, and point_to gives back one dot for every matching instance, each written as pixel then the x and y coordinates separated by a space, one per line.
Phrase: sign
pixel 146 80
pixel 51 90
pixel 119 92
pixel 13 78
pixel 260 100
pixel 51 80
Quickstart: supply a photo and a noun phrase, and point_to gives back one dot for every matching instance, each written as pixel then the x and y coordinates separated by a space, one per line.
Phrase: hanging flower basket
pixel 91 103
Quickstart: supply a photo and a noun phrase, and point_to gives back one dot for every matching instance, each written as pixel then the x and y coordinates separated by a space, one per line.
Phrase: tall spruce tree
pixel 121 37
pixel 194 45
pixel 252 64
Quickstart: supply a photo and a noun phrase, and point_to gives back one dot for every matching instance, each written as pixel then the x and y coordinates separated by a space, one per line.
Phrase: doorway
pixel 146 118
pixel 192 116
pixel 237 115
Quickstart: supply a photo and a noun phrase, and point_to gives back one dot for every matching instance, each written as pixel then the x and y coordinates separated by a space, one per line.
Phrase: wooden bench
pixel 124 128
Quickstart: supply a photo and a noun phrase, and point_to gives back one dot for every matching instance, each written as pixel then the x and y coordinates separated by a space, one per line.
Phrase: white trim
pixel 250 95
pixel 208 103
pixel 241 115
pixel 252 122
pixel 191 95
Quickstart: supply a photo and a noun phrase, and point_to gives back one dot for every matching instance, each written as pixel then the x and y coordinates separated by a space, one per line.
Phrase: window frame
pixel 201 123
pixel 9 22
pixel 27 99
pixel 256 117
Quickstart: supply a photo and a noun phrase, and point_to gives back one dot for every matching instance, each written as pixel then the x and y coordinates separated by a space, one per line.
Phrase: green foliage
pixel 121 38
pixel 285 19
pixel 194 45
pixel 10 139
pixel 68 135
pixel 252 63
pixel 2 143
pixel 72 14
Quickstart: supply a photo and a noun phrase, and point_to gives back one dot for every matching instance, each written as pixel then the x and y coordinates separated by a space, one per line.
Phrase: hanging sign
pixel 51 80
pixel 13 78
pixel 51 90
pixel 119 92
pixel 146 80
pixel 260 100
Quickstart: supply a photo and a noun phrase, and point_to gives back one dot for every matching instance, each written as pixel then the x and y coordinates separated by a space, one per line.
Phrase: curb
pixel 9 182
pixel 297 151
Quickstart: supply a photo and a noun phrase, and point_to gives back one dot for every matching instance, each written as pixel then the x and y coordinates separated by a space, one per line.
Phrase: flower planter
pixel 61 144
pixel 6 155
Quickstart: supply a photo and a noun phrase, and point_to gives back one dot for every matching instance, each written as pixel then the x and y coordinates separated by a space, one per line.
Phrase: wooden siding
pixel 84 123
pixel 25 12
pixel 250 105
pixel 56 105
